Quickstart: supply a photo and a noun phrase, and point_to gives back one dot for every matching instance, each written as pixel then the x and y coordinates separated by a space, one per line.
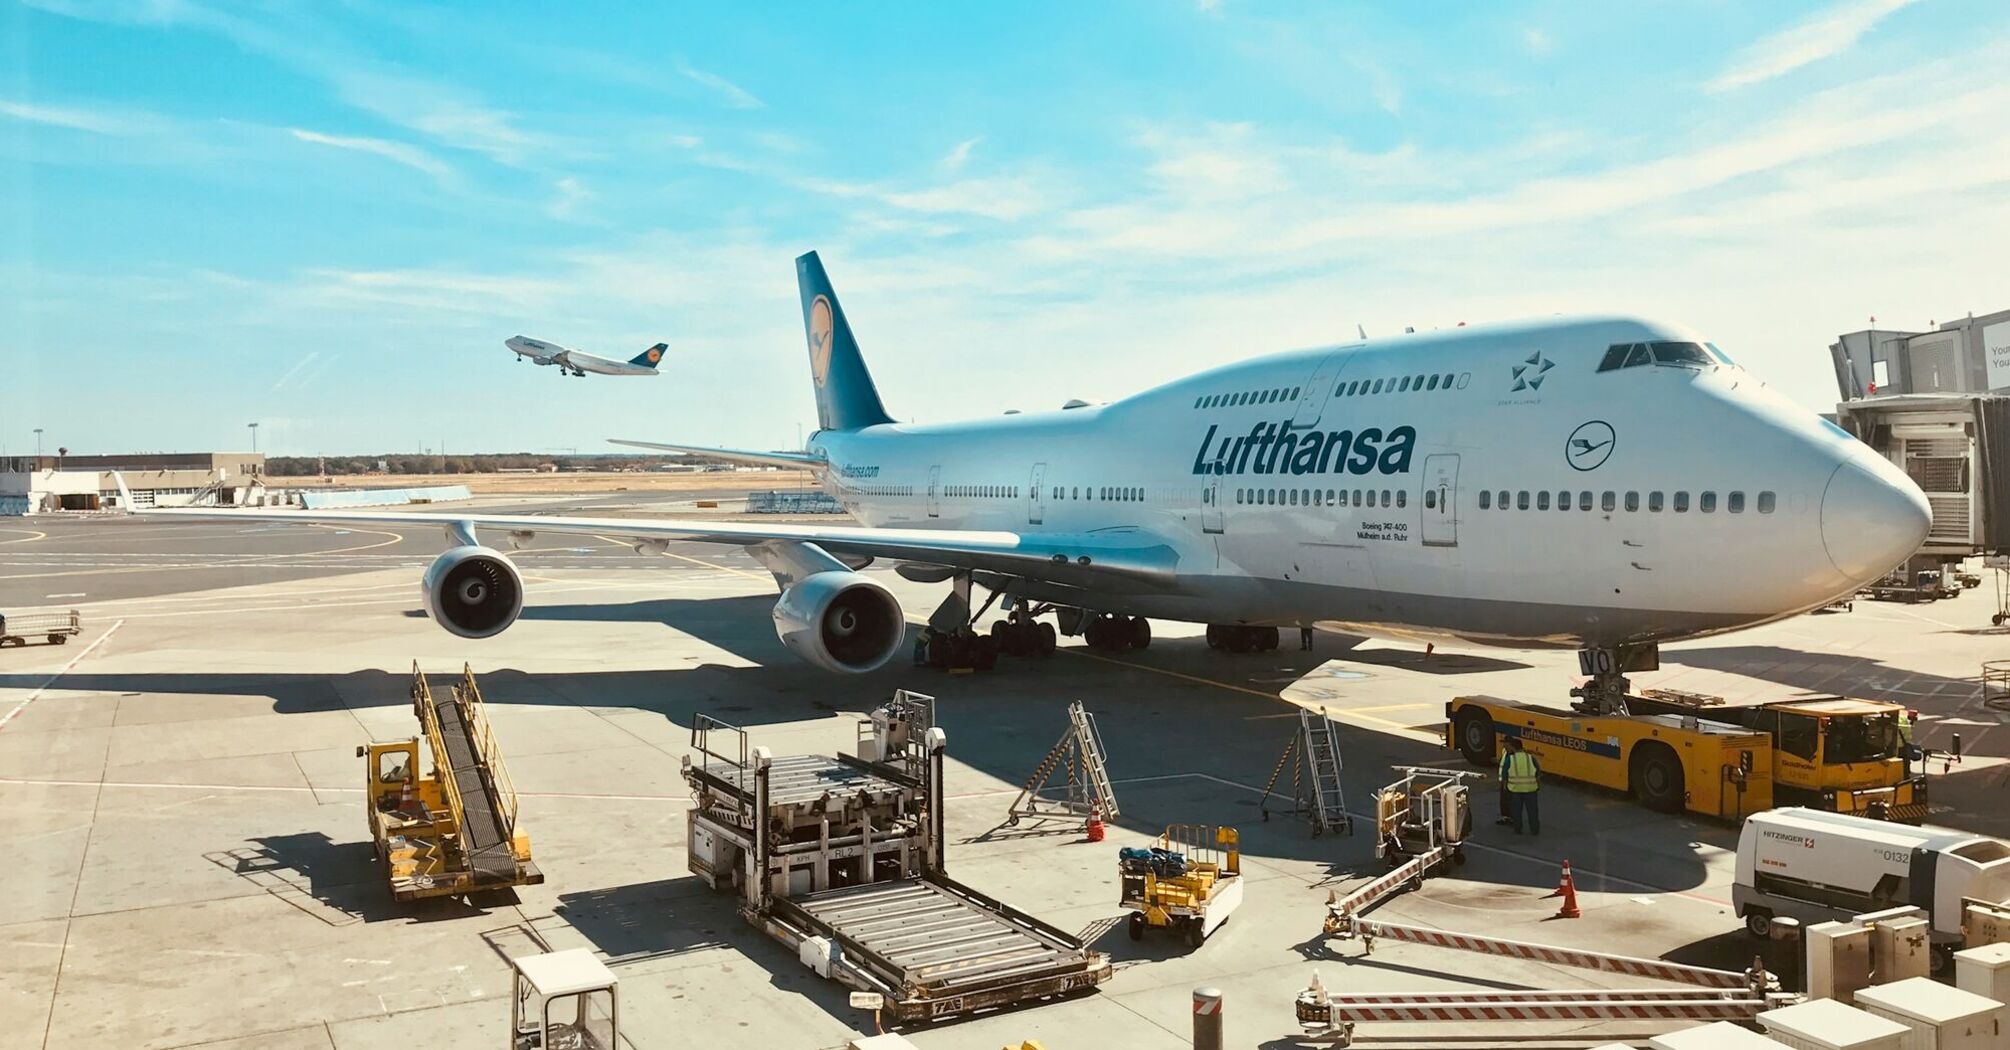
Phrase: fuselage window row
pixel 1706 502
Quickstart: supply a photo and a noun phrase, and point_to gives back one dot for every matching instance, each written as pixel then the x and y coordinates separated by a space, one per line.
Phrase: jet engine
pixel 840 621
pixel 473 591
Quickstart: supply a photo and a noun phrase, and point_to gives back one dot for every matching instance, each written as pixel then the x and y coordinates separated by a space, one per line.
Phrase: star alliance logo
pixel 1529 374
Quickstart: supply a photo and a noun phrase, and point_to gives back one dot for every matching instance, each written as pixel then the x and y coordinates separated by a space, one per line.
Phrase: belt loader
pixel 452 832
pixel 842 859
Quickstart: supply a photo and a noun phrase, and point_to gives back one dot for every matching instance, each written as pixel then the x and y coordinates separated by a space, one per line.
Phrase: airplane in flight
pixel 579 362
pixel 1605 484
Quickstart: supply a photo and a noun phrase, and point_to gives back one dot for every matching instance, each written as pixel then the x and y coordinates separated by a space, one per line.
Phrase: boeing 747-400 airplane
pixel 579 362
pixel 1602 483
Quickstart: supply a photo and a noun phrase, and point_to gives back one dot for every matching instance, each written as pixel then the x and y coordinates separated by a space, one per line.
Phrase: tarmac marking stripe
pixel 32 697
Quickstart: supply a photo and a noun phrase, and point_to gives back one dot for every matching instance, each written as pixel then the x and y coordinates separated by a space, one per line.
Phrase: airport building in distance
pixel 40 484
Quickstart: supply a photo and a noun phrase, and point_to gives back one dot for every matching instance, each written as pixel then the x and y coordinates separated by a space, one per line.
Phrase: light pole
pixel 254 437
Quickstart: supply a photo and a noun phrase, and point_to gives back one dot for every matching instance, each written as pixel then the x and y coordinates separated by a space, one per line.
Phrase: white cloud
pixel 1824 35
pixel 95 121
pixel 570 195
pixel 959 155
pixel 732 94
pixel 397 152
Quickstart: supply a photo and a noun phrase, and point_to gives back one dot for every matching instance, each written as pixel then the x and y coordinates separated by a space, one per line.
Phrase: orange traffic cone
pixel 1566 887
pixel 1095 828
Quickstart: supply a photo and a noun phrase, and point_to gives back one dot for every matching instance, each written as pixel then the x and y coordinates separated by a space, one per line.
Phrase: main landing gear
pixel 951 641
pixel 1115 634
pixel 1241 638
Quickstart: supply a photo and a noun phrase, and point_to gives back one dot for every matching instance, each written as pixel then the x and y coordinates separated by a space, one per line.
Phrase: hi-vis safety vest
pixel 1521 772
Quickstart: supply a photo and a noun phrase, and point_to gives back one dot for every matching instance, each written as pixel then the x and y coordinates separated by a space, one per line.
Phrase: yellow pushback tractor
pixel 1670 762
pixel 454 831
pixel 1189 881
pixel 1836 754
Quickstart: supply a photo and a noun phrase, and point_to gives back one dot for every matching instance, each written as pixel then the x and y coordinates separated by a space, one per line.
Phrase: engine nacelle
pixel 840 621
pixel 473 591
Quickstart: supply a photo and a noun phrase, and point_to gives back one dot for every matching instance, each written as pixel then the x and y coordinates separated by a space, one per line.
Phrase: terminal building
pixel 46 484
pixel 1937 404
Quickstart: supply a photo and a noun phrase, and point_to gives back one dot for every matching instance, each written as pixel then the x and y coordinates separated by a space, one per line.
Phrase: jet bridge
pixel 841 858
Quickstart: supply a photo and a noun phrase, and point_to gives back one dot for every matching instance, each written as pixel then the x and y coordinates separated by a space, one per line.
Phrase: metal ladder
pixel 1080 751
pixel 1315 774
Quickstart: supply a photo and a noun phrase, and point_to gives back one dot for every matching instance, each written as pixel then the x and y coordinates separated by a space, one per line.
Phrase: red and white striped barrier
pixel 1342 1010
pixel 1652 969
pixel 1521 994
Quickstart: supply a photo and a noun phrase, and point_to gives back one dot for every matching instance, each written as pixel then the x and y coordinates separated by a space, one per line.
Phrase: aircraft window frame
pixel 1706 502
pixel 1608 501
pixel 1680 504
pixel 1734 502
pixel 1672 353
pixel 1767 502
pixel 1632 502
pixel 1542 499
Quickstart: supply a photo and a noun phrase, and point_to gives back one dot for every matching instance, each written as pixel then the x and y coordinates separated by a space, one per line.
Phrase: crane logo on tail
pixel 820 339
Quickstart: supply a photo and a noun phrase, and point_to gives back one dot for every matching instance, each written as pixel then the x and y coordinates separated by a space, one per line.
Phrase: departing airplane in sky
pixel 579 362
pixel 1605 484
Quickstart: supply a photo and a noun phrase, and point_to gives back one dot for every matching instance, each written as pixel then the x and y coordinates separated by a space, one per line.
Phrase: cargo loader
pixel 842 859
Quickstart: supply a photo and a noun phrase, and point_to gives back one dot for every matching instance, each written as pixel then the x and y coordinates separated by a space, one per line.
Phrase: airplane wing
pixel 1107 556
pixel 736 455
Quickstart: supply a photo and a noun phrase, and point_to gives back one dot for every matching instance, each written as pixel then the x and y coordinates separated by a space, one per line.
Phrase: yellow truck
pixel 1830 753
pixel 454 831
pixel 1669 762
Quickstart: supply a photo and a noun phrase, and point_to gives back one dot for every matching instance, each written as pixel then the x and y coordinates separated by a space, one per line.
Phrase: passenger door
pixel 1036 496
pixel 1312 397
pixel 1441 497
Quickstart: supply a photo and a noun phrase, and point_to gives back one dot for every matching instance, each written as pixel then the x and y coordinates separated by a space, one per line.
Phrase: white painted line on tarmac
pixel 32 697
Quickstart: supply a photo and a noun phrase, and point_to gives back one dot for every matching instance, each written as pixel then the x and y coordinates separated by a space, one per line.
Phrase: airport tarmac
pixel 180 792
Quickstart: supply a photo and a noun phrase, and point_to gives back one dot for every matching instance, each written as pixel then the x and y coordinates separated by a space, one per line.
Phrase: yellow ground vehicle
pixel 452 832
pixel 1829 753
pixel 1670 762
pixel 1190 880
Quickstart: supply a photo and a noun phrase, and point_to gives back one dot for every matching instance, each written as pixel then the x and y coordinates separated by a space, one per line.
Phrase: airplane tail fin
pixel 649 358
pixel 846 396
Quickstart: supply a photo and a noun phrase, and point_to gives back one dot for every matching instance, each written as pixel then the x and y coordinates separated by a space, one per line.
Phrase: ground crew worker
pixel 1521 780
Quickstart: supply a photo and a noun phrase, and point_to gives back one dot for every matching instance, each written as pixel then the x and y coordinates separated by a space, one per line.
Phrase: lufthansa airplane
pixel 579 362
pixel 1603 484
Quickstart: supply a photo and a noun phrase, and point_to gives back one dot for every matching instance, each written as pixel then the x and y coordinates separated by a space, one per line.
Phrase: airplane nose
pixel 1872 521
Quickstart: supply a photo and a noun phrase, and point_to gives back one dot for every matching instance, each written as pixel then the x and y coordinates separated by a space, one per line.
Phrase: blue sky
pixel 326 217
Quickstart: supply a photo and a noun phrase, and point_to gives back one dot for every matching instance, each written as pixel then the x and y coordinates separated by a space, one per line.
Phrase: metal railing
pixel 443 766
pixel 474 711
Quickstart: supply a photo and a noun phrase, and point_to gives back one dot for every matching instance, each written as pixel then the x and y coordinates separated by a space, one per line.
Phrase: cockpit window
pixel 1682 354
